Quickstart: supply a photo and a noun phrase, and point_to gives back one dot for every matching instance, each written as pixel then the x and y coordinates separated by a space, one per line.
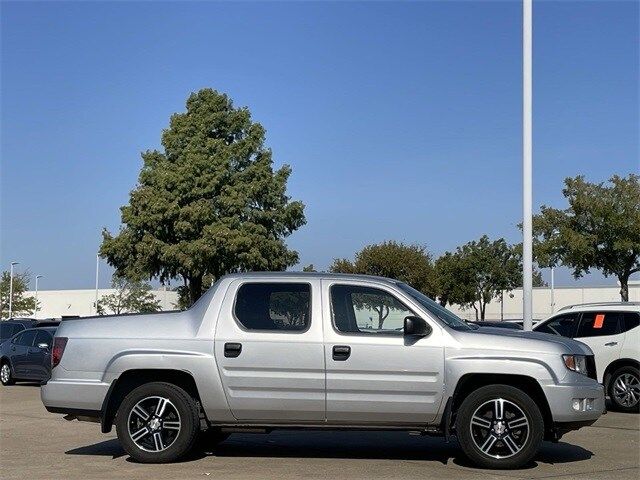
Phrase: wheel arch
pixel 529 385
pixel 615 365
pixel 131 379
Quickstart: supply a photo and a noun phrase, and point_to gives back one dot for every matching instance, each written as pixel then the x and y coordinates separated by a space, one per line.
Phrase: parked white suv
pixel 613 333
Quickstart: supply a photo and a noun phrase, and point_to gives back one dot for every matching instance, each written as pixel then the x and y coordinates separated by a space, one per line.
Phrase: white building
pixel 58 303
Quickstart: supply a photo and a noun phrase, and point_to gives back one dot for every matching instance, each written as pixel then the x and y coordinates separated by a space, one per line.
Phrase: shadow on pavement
pixel 350 445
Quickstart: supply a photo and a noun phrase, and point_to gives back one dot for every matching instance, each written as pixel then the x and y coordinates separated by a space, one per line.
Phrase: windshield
pixel 435 308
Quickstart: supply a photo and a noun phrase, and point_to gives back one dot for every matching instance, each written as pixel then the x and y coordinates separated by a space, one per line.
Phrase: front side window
pixel 599 324
pixel 356 309
pixel 563 325
pixel 274 306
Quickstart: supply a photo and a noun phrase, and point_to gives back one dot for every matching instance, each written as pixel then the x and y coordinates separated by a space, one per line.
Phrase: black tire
pixel 6 380
pixel 210 438
pixel 504 453
pixel 181 407
pixel 619 400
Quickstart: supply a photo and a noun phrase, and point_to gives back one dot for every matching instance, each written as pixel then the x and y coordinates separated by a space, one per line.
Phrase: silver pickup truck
pixel 263 351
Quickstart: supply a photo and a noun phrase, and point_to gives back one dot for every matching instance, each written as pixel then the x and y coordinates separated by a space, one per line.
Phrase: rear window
pixel 274 306
pixel 600 324
pixel 631 321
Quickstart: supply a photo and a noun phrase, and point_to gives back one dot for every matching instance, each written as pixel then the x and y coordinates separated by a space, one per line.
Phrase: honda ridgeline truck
pixel 264 351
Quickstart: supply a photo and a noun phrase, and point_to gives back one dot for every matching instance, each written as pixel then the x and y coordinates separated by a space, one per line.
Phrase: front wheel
pixel 158 423
pixel 499 426
pixel 624 389
pixel 5 374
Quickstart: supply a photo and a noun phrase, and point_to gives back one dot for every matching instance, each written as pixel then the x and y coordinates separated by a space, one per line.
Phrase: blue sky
pixel 400 120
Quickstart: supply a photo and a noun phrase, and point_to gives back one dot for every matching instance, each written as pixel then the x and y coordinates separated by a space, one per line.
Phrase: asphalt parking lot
pixel 37 445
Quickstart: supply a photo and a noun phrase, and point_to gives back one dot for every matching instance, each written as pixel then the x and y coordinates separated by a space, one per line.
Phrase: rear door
pixel 269 351
pixel 375 375
pixel 602 331
pixel 39 358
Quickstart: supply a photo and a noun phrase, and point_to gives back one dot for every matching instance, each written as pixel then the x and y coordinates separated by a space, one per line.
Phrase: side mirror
pixel 43 346
pixel 416 327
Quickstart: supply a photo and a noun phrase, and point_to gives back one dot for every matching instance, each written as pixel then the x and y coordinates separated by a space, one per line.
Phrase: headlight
pixel 577 363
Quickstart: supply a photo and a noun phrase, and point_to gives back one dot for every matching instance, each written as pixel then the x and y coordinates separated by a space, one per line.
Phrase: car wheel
pixel 158 423
pixel 624 389
pixel 5 374
pixel 499 426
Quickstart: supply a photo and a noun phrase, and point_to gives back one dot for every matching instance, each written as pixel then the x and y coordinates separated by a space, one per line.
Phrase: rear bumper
pixel 68 396
pixel 561 399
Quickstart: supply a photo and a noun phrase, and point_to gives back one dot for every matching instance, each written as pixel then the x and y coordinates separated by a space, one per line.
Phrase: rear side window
pixel 563 325
pixel 26 338
pixel 274 306
pixel 631 321
pixel 44 337
pixel 600 324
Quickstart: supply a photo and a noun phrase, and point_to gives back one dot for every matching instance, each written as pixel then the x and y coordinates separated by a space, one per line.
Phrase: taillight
pixel 59 343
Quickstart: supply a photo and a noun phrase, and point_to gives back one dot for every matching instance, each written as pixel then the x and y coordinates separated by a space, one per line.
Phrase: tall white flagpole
pixel 527 129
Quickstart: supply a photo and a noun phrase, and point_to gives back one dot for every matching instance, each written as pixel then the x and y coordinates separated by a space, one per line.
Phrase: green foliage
pixel 410 264
pixel 477 272
pixel 599 229
pixel 21 305
pixel 130 297
pixel 309 268
pixel 210 203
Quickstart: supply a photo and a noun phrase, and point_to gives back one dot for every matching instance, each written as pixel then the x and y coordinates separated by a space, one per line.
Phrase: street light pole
pixel 527 141
pixel 553 299
pixel 13 264
pixel 35 308
pixel 97 273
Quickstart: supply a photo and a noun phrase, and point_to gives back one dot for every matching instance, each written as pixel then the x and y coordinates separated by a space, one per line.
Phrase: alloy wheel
pixel 154 424
pixel 5 373
pixel 626 390
pixel 499 428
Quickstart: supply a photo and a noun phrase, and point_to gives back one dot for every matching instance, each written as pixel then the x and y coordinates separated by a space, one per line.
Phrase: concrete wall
pixel 56 303
pixel 542 300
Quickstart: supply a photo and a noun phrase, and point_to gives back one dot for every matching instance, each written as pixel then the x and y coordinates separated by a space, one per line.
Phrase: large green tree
pixel 409 263
pixel 209 203
pixel 599 229
pixel 130 296
pixel 21 305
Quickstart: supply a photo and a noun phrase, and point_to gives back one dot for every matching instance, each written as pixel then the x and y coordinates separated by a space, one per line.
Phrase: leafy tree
pixel 210 203
pixel 309 268
pixel 129 297
pixel 600 229
pixel 485 268
pixel 454 282
pixel 408 263
pixel 21 305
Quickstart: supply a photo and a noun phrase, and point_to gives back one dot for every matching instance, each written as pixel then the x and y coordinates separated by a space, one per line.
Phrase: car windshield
pixel 436 309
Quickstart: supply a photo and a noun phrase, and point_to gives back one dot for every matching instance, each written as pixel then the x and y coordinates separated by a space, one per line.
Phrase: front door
pixel 374 374
pixel 269 351
pixel 20 353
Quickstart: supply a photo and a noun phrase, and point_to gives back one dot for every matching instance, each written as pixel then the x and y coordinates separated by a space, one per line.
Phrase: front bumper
pixel 561 402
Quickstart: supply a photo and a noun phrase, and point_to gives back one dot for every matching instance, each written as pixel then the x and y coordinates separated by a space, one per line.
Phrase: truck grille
pixel 591 367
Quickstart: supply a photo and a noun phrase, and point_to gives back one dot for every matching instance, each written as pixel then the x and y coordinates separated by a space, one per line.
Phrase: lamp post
pixel 527 197
pixel 13 264
pixel 553 300
pixel 97 273
pixel 35 308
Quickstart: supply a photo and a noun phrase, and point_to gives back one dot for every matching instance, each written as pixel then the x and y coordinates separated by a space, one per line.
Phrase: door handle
pixel 232 350
pixel 341 352
pixel 610 344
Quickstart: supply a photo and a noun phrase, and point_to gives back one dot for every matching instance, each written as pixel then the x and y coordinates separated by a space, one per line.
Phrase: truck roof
pixel 324 275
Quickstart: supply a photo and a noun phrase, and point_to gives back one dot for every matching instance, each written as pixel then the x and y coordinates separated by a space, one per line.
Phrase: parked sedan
pixel 27 356
pixel 8 328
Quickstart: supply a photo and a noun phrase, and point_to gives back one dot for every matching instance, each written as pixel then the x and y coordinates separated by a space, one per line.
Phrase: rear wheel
pixel 624 389
pixel 6 377
pixel 158 423
pixel 499 426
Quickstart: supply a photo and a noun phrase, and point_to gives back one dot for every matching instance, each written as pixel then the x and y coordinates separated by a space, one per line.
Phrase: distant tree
pixel 408 263
pixel 600 229
pixel 209 203
pixel 454 283
pixel 309 268
pixel 21 305
pixel 129 297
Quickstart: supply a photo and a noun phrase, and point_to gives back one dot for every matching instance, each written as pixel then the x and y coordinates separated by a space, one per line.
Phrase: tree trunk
pixel 624 287
pixel 195 288
pixel 483 309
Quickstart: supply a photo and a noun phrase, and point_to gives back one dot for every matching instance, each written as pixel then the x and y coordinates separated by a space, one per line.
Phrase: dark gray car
pixel 27 356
